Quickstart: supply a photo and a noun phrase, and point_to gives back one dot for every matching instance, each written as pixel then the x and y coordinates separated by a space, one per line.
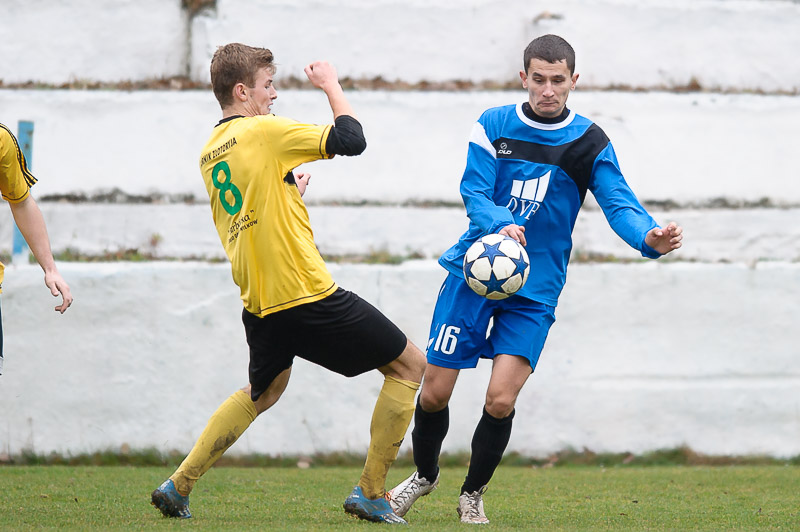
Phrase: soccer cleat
pixel 470 507
pixel 171 503
pixel 377 510
pixel 402 496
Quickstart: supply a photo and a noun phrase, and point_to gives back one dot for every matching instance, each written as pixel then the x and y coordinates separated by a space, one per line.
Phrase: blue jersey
pixel 536 175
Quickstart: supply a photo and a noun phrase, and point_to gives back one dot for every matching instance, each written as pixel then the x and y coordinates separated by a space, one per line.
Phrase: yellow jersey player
pixel 15 184
pixel 292 306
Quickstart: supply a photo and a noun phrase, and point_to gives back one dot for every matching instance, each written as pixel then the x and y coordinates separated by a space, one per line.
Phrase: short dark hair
pixel 550 48
pixel 237 63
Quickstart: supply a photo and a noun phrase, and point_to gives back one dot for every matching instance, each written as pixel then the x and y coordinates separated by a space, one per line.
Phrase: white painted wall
pixel 55 41
pixel 187 232
pixel 742 44
pixel 688 148
pixel 721 44
pixel 642 356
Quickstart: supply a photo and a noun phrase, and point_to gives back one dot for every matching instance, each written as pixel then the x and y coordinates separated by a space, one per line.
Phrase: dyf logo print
pixel 527 196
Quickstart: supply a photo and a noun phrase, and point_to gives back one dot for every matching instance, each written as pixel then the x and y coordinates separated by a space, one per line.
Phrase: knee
pixel 266 400
pixel 499 406
pixel 418 363
pixel 409 366
pixel 430 401
pixel 273 392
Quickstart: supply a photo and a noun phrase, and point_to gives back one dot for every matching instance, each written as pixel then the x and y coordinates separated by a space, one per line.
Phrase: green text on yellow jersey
pixel 261 219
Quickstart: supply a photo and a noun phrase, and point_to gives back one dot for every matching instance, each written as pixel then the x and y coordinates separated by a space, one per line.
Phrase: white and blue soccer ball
pixel 496 266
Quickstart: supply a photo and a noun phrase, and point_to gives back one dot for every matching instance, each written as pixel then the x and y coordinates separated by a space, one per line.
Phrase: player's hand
pixel 517 232
pixel 58 285
pixel 302 180
pixel 665 239
pixel 322 74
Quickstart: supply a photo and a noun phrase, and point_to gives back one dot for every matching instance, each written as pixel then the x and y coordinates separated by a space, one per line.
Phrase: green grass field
pixel 560 498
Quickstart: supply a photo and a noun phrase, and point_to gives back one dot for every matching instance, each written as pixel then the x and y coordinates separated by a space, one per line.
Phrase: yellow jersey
pixel 15 178
pixel 261 219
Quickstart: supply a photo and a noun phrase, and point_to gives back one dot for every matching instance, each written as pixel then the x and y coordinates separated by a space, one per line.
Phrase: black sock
pixel 488 445
pixel 430 428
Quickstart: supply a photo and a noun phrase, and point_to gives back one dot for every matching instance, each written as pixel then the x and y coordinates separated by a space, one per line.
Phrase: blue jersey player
pixel 529 167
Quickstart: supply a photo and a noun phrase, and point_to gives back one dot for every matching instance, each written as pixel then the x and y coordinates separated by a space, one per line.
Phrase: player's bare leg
pixel 390 419
pixel 431 422
pixel 439 385
pixel 509 374
pixel 409 366
pixel 224 427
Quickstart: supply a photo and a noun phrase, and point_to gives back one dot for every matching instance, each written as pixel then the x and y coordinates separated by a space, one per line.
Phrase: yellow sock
pixel 390 419
pixel 225 426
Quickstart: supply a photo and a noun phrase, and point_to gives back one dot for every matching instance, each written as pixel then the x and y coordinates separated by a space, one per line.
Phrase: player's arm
pixel 477 186
pixel 665 240
pixel 517 232
pixel 30 221
pixel 301 180
pixel 346 137
pixel 322 75
pixel 625 214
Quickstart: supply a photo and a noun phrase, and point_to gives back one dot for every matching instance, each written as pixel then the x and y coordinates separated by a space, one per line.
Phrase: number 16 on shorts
pixel 446 339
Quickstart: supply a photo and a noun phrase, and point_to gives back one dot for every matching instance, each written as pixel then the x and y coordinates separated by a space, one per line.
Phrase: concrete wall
pixel 640 44
pixel 745 44
pixel 687 148
pixel 642 356
pixel 698 350
pixel 183 231
pixel 55 42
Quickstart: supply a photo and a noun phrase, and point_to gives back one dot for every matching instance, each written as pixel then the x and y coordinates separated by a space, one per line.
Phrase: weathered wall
pixel 687 148
pixel 77 41
pixel 642 356
pixel 187 231
pixel 716 43
pixel 699 352
pixel 619 42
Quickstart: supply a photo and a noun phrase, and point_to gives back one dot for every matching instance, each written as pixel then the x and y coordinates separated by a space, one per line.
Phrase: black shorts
pixel 342 333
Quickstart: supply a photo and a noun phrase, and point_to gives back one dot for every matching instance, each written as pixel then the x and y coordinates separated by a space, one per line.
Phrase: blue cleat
pixel 376 510
pixel 171 503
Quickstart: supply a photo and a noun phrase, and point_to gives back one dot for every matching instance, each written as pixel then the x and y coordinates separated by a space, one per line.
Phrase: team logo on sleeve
pixel 527 196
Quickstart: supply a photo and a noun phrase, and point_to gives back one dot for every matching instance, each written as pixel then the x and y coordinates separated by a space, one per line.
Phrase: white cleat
pixel 402 496
pixel 470 507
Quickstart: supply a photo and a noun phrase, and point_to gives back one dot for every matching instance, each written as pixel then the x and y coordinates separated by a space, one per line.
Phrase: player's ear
pixel 240 92
pixel 524 77
pixel 574 81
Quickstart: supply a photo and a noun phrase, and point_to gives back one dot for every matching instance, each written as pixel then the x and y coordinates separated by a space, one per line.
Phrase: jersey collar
pixel 228 119
pixel 540 125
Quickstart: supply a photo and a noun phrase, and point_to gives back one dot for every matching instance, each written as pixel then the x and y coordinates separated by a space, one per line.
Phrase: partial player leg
pixel 346 334
pixel 390 419
pixel 457 338
pixel 432 419
pixel 225 426
pixel 431 422
pixel 509 374
pixel 1 343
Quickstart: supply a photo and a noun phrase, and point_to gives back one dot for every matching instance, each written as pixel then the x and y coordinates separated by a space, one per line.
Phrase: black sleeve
pixel 346 137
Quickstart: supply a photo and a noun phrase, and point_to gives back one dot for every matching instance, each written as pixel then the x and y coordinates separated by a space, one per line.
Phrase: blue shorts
pixel 461 334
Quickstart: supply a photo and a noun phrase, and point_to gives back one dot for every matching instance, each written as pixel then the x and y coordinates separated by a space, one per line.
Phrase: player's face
pixel 548 86
pixel 261 96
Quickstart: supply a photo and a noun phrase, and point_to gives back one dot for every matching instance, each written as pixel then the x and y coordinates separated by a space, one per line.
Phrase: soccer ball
pixel 496 266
